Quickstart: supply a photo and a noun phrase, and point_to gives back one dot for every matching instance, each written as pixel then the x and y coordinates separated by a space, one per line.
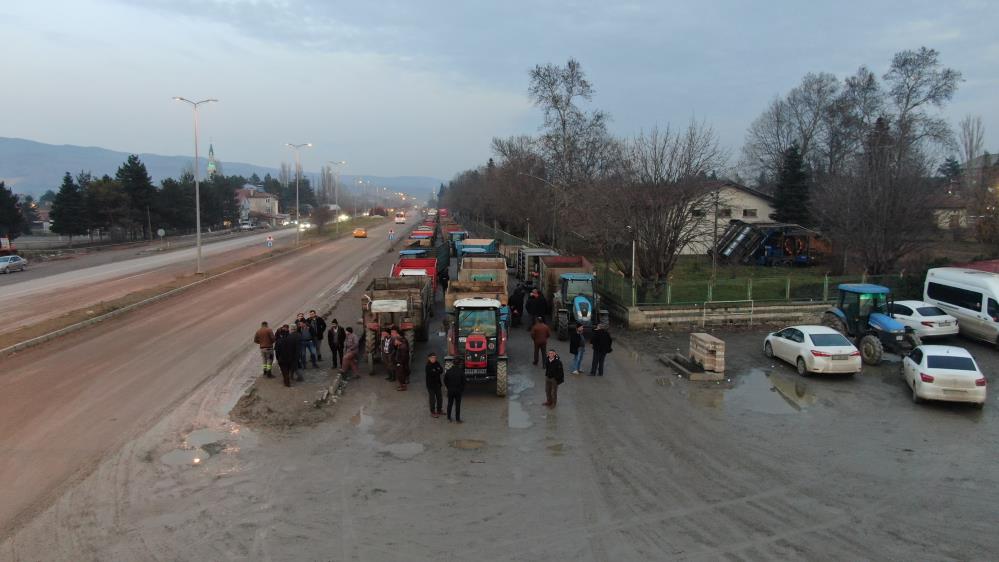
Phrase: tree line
pixel 855 158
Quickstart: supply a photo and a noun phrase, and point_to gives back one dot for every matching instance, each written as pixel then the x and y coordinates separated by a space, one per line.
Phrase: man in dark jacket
pixel 318 328
pixel 454 380
pixel 286 349
pixel 434 370
pixel 443 278
pixel 387 349
pixel 535 305
pixel 554 376
pixel 336 338
pixel 516 303
pixel 577 347
pixel 402 363
pixel 601 344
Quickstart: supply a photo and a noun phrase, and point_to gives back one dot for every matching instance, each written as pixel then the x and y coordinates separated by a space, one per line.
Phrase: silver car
pixel 12 263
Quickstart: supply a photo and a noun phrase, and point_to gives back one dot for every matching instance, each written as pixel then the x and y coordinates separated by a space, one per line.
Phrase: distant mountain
pixel 30 167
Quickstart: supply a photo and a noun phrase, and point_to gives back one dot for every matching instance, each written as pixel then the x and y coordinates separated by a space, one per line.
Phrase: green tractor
pixel 863 312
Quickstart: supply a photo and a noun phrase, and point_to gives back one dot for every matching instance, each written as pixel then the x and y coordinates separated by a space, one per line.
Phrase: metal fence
pixel 804 286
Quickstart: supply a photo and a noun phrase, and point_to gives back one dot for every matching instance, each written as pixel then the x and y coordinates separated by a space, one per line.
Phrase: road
pixel 636 465
pixel 65 405
pixel 37 295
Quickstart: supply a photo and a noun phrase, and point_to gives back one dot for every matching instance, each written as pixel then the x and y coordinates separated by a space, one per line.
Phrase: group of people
pixel 395 355
pixel 453 380
pixel 295 346
pixel 598 339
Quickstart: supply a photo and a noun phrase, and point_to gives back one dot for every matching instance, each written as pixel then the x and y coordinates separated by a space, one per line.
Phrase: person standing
pixel 535 307
pixel 443 278
pixel 577 347
pixel 386 347
pixel 287 354
pixel 351 344
pixel 362 347
pixel 402 364
pixel 539 335
pixel 434 370
pixel 318 328
pixel 454 380
pixel 306 344
pixel 554 376
pixel 265 339
pixel 516 304
pixel 601 347
pixel 336 340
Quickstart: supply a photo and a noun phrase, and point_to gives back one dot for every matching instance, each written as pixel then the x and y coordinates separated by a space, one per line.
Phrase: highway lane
pixel 64 405
pixel 33 300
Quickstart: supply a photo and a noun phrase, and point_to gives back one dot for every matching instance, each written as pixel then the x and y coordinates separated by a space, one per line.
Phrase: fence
pixel 803 286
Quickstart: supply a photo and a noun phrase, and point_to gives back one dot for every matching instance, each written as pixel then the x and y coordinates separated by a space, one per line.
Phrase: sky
pixel 420 88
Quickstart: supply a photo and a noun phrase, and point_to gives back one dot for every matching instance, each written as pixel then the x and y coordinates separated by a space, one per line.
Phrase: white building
pixel 735 201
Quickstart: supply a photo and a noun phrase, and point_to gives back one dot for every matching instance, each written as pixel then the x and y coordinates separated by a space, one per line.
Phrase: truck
pixel 569 283
pixel 476 340
pixel 400 302
pixel 443 213
pixel 407 267
pixel 483 269
pixel 479 246
pixel 528 261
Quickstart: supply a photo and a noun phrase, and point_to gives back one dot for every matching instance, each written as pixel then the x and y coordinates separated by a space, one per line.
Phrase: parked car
pixel 10 264
pixel 360 233
pixel 969 295
pixel 927 320
pixel 944 372
pixel 814 349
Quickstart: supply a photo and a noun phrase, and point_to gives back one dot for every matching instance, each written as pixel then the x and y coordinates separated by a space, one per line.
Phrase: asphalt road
pixel 39 293
pixel 636 465
pixel 65 405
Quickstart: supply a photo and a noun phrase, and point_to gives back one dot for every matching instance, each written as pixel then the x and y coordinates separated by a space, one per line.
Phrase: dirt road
pixel 65 405
pixel 636 465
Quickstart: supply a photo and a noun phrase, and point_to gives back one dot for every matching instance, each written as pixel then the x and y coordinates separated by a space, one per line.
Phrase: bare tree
pixel 916 81
pixel 768 138
pixel 972 138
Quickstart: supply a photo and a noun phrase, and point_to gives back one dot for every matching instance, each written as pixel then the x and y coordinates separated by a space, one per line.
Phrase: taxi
pixel 360 233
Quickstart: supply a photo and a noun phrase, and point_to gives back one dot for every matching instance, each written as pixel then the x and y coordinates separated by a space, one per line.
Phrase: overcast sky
pixel 420 87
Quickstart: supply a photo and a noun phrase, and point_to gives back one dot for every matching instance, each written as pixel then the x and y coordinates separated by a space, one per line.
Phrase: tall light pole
pixel 298 174
pixel 197 184
pixel 336 190
pixel 554 207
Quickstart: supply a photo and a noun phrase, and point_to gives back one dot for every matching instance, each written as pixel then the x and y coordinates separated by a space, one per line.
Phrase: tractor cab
pixel 863 311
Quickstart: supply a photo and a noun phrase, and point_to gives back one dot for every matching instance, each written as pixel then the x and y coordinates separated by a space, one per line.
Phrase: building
pixel 950 210
pixel 257 204
pixel 213 165
pixel 735 202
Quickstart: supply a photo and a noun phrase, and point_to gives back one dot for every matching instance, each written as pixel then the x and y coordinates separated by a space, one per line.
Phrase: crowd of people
pixel 294 347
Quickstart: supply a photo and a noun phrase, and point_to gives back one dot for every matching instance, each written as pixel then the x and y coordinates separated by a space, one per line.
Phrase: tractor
pixel 476 341
pixel 576 302
pixel 863 312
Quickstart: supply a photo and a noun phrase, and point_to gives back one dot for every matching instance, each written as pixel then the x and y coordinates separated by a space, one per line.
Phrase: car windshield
pixel 872 302
pixel 930 311
pixel 482 321
pixel 950 362
pixel 829 340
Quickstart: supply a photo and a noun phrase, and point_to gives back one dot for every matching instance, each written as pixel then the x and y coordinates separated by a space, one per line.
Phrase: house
pixel 950 209
pixel 735 202
pixel 257 204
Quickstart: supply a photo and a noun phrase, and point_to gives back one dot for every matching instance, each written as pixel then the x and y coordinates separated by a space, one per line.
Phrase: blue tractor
pixel 577 302
pixel 863 312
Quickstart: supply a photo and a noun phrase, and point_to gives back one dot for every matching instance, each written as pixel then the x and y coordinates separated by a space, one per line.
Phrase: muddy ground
pixel 635 465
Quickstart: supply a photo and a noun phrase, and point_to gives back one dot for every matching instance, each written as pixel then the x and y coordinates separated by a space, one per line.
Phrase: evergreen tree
pixel 30 213
pixel 791 197
pixel 47 198
pixel 69 211
pixel 107 205
pixel 950 170
pixel 139 189
pixel 11 220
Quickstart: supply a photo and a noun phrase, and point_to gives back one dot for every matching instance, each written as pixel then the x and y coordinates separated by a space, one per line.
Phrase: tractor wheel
pixel 563 326
pixel 912 341
pixel 830 320
pixel 411 340
pixel 871 349
pixel 501 377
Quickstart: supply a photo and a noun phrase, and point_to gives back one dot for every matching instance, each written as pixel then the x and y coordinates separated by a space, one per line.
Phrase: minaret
pixel 212 166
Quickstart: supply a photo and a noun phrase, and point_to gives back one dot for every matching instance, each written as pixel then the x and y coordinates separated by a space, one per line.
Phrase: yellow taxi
pixel 360 233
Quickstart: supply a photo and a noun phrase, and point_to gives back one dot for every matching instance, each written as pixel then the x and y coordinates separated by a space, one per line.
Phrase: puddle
pixel 517 416
pixel 518 384
pixel 185 457
pixel 769 393
pixel 467 443
pixel 202 437
pixel 403 450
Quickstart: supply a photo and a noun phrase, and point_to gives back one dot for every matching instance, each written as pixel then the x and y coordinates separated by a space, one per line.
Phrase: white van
pixel 969 295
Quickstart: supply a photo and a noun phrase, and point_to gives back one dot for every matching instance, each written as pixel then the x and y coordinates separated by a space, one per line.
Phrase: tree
pixel 950 170
pixel 972 137
pixel 791 196
pixel 47 198
pixel 107 206
pixel 30 212
pixel 175 203
pixel 916 81
pixel 12 222
pixel 321 216
pixel 69 211
pixel 139 190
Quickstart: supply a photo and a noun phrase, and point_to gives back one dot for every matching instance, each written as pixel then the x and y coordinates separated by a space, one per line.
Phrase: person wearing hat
pixel 540 332
pixel 601 344
pixel 554 376
pixel 434 370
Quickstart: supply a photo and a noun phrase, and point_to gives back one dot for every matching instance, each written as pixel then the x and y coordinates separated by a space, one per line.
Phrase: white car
pixel 12 263
pixel 944 372
pixel 813 349
pixel 928 321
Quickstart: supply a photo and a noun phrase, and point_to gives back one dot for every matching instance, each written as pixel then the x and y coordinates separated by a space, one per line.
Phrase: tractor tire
pixel 563 326
pixel 871 349
pixel 411 340
pixel 830 320
pixel 501 377
pixel 912 341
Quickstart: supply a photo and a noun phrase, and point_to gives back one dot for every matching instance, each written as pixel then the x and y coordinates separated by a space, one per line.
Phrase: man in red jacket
pixel 540 332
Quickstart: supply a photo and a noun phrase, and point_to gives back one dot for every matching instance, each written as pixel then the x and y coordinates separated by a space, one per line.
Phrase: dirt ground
pixel 636 465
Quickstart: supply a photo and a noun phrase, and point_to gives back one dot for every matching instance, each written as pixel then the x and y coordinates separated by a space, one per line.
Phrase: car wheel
pixel 802 368
pixel 915 397
pixel 768 350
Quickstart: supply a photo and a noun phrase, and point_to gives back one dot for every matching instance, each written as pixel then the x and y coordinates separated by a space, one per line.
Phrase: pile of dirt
pixel 270 404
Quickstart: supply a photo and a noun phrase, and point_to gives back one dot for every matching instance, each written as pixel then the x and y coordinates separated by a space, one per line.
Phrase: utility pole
pixel 197 184
pixel 298 174
pixel 714 241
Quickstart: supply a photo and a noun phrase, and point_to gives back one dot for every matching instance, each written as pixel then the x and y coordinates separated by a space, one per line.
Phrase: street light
pixel 554 207
pixel 336 189
pixel 197 187
pixel 298 174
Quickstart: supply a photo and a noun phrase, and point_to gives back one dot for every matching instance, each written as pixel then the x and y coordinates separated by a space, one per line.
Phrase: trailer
pixel 528 261
pixel 483 269
pixel 395 302
pixel 407 267
pixel 477 246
